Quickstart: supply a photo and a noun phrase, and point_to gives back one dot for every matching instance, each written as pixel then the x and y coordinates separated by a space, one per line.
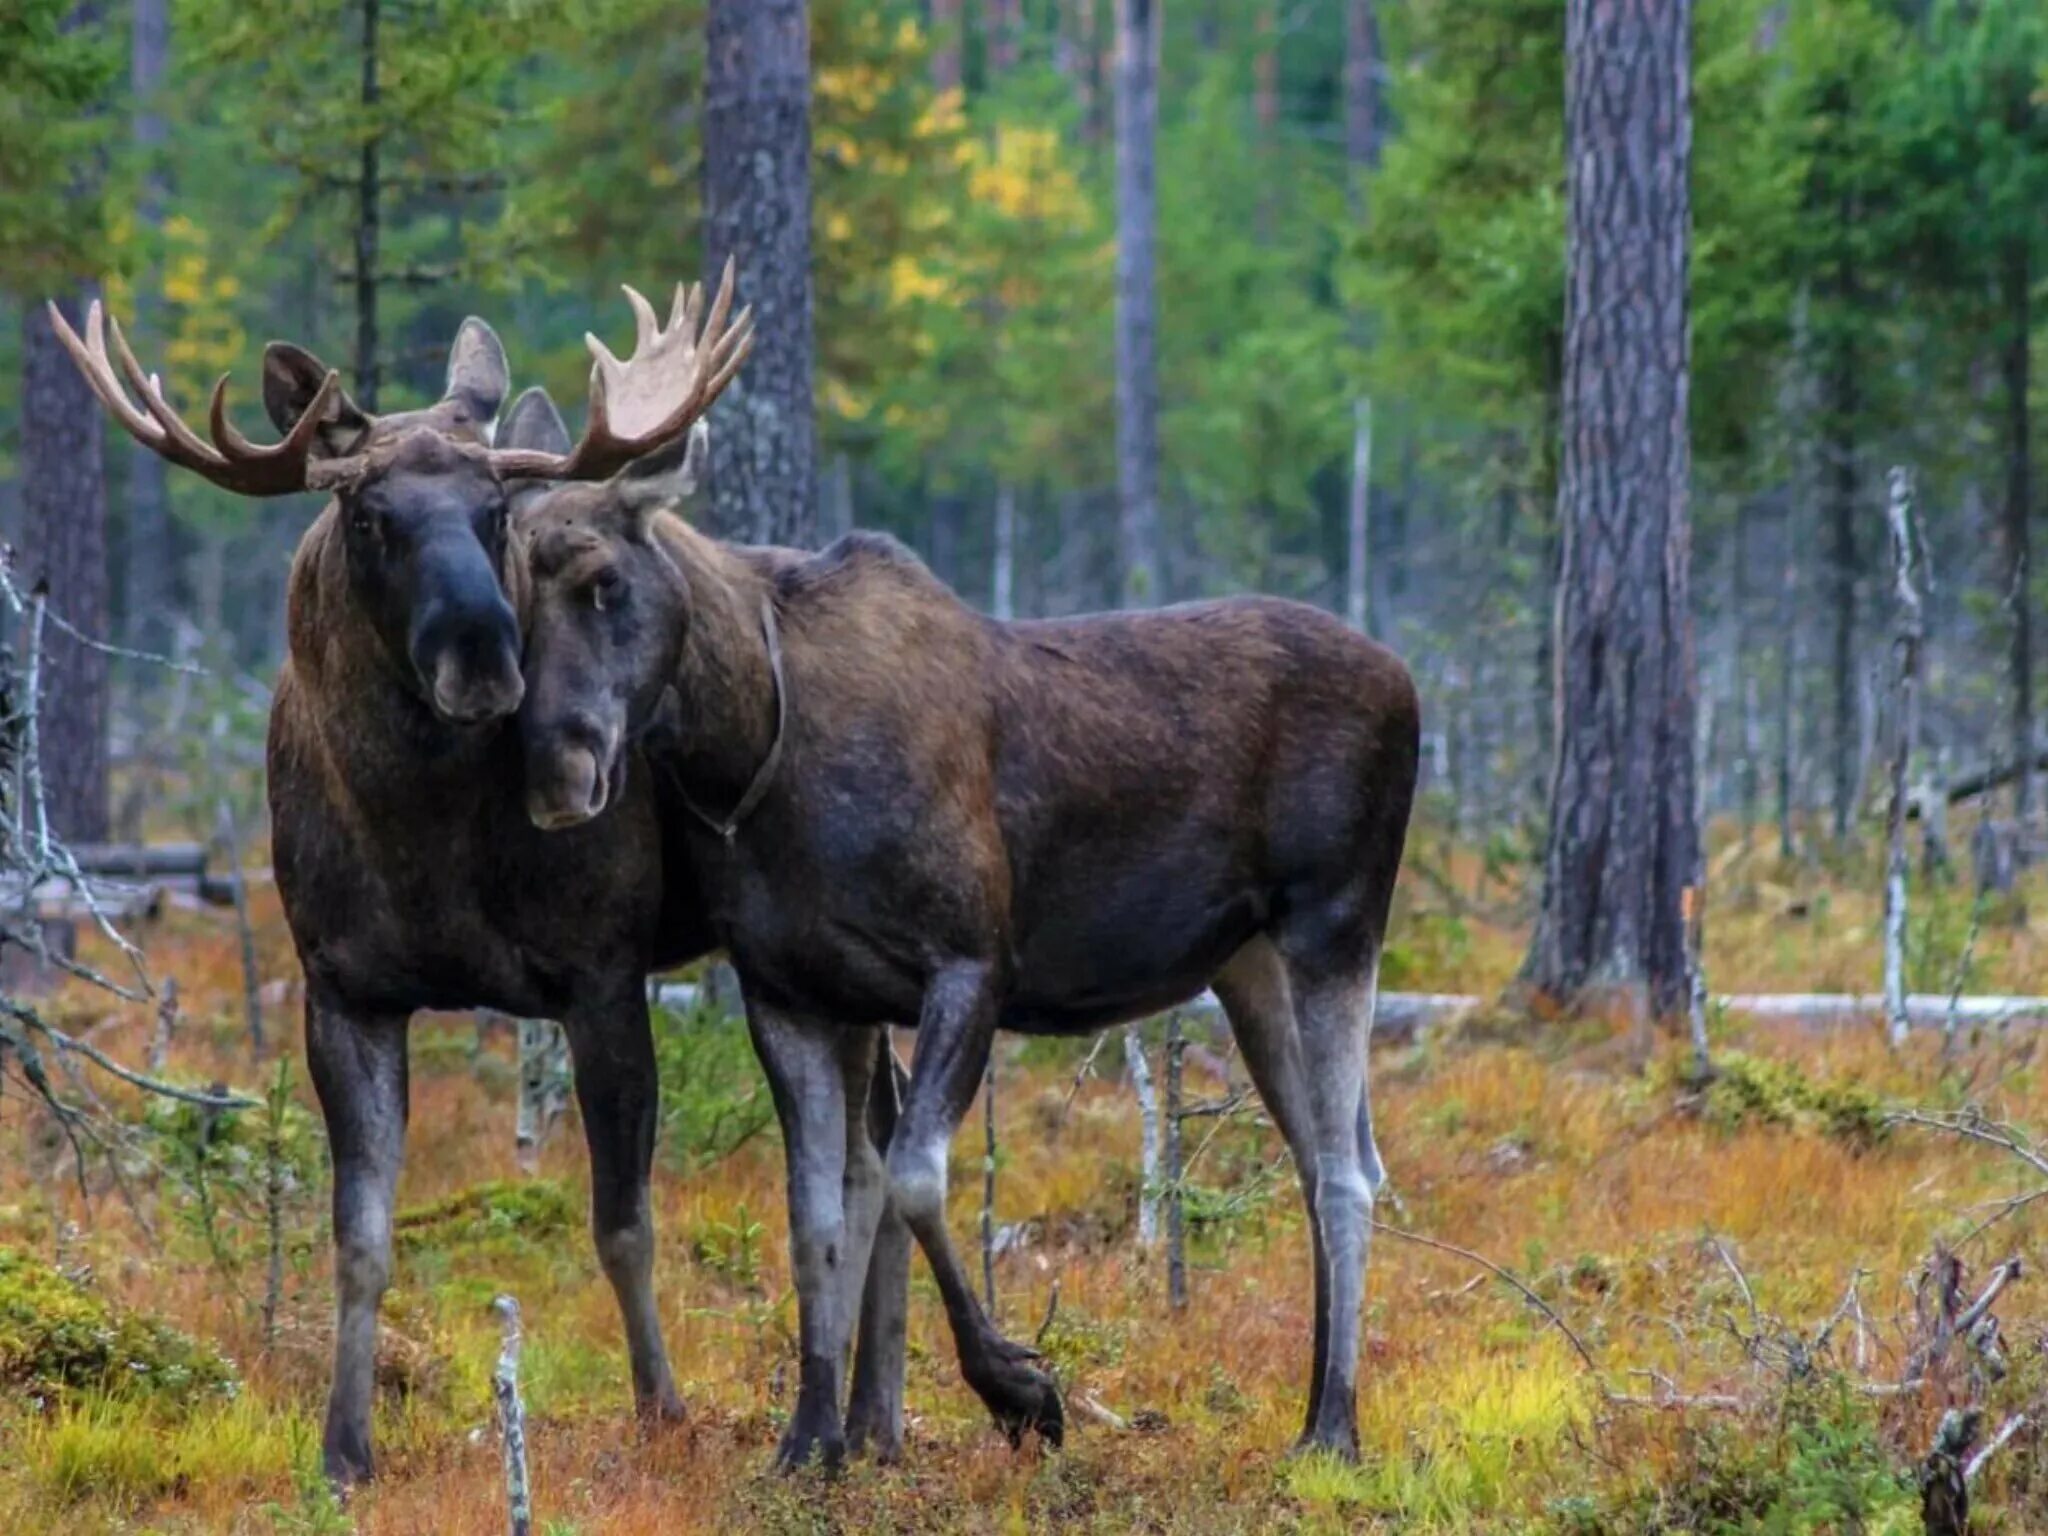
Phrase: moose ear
pixel 292 376
pixel 477 375
pixel 533 422
pixel 667 476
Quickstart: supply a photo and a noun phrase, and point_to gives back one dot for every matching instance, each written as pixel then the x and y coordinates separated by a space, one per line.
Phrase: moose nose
pixel 467 655
pixel 569 774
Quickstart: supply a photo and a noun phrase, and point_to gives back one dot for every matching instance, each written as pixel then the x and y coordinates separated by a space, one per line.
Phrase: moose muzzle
pixel 574 769
pixel 464 641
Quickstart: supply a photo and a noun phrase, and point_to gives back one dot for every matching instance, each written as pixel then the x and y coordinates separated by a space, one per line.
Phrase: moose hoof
pixel 808 1441
pixel 347 1462
pixel 663 1407
pixel 1020 1395
pixel 883 1441
pixel 1333 1443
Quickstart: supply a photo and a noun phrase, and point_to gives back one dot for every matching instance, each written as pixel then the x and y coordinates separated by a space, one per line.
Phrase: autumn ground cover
pixel 1694 1241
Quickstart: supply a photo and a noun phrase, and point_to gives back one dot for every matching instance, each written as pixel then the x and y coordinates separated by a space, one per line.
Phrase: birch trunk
pixel 1909 629
pixel 1148 1120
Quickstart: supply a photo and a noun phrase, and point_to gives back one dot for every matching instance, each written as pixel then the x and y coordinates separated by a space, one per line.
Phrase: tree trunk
pixel 1908 631
pixel 757 210
pixel 147 590
pixel 2018 516
pixel 1003 588
pixel 369 218
pixel 1840 451
pixel 1001 21
pixel 1622 851
pixel 64 525
pixel 946 45
pixel 1361 149
pixel 1137 366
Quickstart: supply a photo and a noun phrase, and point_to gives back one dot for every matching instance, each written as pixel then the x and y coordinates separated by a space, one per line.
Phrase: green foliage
pixel 59 1341
pixel 1078 1341
pixel 713 1096
pixel 1824 1466
pixel 731 1248
pixel 221 1164
pixel 55 72
pixel 524 1211
pixel 1751 1090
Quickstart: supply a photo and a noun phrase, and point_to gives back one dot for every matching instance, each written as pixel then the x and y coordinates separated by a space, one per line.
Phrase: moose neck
pixel 725 711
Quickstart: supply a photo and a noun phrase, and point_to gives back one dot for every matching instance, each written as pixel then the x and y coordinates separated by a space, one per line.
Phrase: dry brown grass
pixel 1586 1177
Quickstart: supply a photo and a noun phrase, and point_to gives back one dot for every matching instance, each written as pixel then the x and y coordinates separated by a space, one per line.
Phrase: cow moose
pixel 900 809
pixel 411 875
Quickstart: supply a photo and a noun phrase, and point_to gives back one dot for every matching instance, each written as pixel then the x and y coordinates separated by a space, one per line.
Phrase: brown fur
pixel 411 874
pixel 1054 826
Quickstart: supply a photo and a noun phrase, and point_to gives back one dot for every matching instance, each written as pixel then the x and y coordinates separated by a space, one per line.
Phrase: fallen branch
pixel 1528 1293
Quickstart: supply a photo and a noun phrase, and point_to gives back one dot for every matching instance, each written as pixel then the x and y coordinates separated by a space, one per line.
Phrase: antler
pixel 655 395
pixel 230 460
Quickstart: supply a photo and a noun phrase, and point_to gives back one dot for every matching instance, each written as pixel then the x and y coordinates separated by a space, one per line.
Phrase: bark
pixel 1003 586
pixel 1909 629
pixel 64 524
pixel 1358 564
pixel 1622 850
pixel 1080 63
pixel 1137 365
pixel 946 40
pixel 1148 1123
pixel 1842 406
pixel 1176 1204
pixel 147 590
pixel 369 216
pixel 512 1420
pixel 757 210
pixel 1361 152
pixel 2015 366
pixel 1001 22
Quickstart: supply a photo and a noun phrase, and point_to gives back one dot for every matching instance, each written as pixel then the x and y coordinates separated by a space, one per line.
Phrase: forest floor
pixel 1697 1243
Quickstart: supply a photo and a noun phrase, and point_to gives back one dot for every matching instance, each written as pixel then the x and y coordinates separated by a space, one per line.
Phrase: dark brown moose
pixel 411 874
pixel 899 809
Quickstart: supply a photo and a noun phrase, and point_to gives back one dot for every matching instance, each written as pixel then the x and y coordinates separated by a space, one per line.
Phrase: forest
pixel 1654 378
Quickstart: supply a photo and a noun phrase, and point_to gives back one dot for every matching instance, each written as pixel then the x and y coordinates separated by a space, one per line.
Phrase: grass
pixel 1595 1180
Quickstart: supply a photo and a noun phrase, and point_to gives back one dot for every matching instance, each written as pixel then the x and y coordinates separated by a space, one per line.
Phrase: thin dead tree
pixel 1909 631
pixel 40 876
pixel 1148 1118
pixel 512 1419
pixel 1176 1204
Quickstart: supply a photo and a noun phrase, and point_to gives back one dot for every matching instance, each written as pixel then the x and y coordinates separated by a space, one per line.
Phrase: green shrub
pixel 1749 1090
pixel 1819 1465
pixel 713 1096
pixel 528 1209
pixel 59 1340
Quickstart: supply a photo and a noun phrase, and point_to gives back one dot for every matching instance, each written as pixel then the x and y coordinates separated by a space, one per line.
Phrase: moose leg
pixel 1333 1017
pixel 874 1412
pixel 955 1032
pixel 812 1070
pixel 616 1088
pixel 1254 992
pixel 358 1065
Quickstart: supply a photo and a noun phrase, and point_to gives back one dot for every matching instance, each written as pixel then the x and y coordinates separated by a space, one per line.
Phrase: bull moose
pixel 411 875
pixel 900 809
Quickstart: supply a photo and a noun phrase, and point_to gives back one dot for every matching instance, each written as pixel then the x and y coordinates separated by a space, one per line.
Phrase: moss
pixel 59 1340
pixel 1750 1090
pixel 522 1208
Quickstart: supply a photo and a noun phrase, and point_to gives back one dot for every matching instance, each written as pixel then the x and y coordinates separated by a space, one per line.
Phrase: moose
pixel 411 875
pixel 898 809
